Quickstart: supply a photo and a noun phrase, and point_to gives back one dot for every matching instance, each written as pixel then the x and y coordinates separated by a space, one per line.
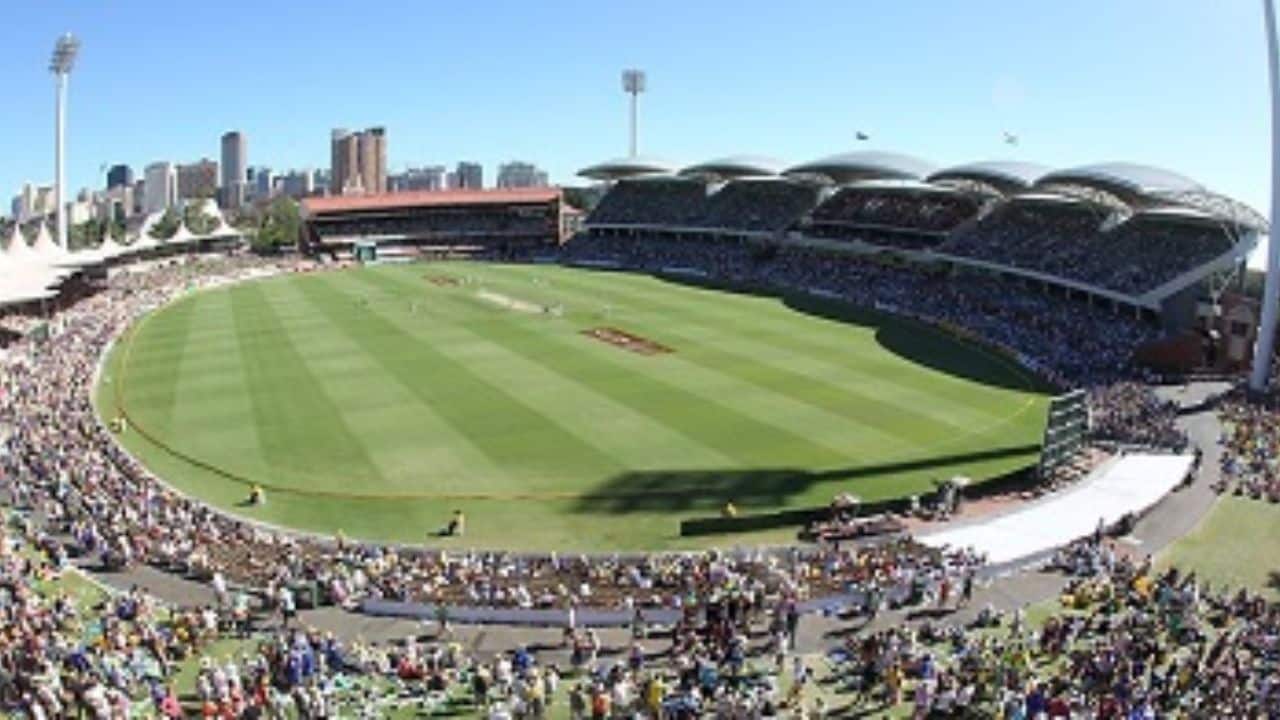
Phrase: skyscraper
pixel 344 161
pixel 119 175
pixel 372 148
pixel 358 161
pixel 235 163
pixel 160 188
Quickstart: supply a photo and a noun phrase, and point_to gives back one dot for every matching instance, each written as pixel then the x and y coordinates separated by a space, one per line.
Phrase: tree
pixel 583 198
pixel 85 234
pixel 281 225
pixel 167 226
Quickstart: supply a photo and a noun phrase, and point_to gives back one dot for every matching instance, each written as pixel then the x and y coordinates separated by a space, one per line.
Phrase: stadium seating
pixel 1069 241
pixel 662 201
pixel 904 218
pixel 758 205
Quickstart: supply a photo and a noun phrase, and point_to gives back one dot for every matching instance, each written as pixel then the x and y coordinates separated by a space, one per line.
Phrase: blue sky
pixel 1177 83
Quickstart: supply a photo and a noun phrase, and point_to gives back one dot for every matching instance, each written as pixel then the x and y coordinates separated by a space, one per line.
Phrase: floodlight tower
pixel 64 57
pixel 1271 294
pixel 633 83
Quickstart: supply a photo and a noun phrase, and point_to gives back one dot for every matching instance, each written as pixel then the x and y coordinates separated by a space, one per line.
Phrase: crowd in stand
pixel 1067 239
pixel 672 202
pixel 758 205
pixel 892 218
pixel 1251 446
pixel 1130 413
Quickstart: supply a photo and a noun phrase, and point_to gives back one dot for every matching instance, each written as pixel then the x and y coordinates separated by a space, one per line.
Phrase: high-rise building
pixel 119 176
pixel 33 201
pixel 372 148
pixel 344 163
pixel 139 195
pixel 235 159
pixel 22 203
pixel 198 180
pixel 298 183
pixel 516 174
pixel 261 188
pixel 431 177
pixel 160 187
pixel 358 161
pixel 115 205
pixel 468 176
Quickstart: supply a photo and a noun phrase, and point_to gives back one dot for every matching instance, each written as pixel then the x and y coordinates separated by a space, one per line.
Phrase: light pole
pixel 1271 294
pixel 633 83
pixel 64 57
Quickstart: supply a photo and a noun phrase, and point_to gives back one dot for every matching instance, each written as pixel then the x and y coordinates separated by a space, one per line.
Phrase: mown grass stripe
pixel 302 434
pixel 416 449
pixel 156 364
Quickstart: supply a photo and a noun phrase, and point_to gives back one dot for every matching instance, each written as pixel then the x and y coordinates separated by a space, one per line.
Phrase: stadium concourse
pixel 740 633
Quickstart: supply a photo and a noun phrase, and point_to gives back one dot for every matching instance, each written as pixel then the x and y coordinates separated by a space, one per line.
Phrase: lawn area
pixel 559 408
pixel 1237 543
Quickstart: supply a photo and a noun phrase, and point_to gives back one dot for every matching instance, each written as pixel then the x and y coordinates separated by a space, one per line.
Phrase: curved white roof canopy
pixel 1005 174
pixel 737 166
pixel 1126 179
pixel 620 168
pixel 864 165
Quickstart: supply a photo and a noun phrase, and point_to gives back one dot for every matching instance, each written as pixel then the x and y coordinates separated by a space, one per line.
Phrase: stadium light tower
pixel 1271 294
pixel 633 83
pixel 64 57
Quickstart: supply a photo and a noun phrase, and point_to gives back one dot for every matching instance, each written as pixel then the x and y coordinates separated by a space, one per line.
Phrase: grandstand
pixel 1132 238
pixel 501 221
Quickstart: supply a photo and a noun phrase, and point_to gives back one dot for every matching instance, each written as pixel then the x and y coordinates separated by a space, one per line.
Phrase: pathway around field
pixel 1170 519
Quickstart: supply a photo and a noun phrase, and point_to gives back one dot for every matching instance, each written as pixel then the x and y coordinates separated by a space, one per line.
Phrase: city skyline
pixel 1193 101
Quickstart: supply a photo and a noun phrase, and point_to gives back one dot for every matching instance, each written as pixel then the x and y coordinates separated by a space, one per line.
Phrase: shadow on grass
pixel 709 490
pixel 911 340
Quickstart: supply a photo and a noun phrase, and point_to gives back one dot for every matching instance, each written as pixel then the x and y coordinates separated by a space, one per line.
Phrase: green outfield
pixel 559 408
